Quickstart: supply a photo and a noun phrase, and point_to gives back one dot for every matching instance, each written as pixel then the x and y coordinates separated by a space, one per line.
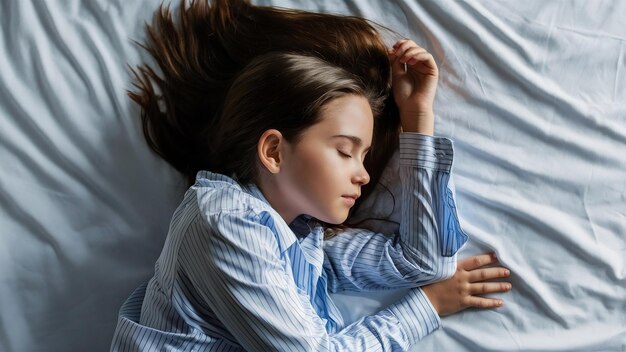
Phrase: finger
pixel 489 287
pixel 412 53
pixel 424 57
pixel 477 261
pixel 424 63
pixel 402 42
pixel 396 67
pixel 488 274
pixel 481 302
pixel 404 46
pixel 399 42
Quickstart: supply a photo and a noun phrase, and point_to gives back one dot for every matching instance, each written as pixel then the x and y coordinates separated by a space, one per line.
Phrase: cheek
pixel 315 169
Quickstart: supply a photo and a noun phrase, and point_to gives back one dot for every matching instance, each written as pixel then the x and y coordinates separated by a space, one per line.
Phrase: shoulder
pixel 216 193
pixel 232 214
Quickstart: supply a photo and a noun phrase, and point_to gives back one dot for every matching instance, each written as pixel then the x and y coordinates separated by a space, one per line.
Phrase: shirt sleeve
pixel 237 270
pixel 429 234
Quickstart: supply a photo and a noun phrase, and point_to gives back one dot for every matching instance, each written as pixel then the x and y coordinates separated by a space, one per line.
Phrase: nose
pixel 361 176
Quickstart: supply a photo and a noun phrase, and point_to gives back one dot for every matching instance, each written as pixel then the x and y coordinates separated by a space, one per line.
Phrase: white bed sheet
pixel 533 93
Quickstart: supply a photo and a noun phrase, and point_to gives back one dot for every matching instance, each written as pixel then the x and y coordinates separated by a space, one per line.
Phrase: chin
pixel 331 214
pixel 335 219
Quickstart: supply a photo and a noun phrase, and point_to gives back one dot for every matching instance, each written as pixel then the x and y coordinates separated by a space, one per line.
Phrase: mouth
pixel 350 199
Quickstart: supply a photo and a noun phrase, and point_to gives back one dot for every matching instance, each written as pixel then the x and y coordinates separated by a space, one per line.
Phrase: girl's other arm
pixel 463 289
pixel 235 266
pixel 429 235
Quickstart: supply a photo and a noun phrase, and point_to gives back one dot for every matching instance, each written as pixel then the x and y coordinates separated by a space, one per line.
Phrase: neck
pixel 277 200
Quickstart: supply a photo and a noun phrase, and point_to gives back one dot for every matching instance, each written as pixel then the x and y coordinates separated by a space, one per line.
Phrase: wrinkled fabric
pixel 532 92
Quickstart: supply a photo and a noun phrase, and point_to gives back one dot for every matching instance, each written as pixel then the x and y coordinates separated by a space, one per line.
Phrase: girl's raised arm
pixel 423 250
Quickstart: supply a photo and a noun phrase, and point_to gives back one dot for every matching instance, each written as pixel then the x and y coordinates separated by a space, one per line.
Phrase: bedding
pixel 533 94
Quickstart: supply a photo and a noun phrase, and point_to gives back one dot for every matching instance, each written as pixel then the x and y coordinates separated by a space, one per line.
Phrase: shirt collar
pixel 284 235
pixel 302 225
pixel 252 189
pixel 214 180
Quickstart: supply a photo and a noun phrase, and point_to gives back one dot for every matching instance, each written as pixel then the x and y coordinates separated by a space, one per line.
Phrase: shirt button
pixel 440 154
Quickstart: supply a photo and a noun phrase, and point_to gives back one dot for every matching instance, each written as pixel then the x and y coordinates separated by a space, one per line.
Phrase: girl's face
pixel 321 175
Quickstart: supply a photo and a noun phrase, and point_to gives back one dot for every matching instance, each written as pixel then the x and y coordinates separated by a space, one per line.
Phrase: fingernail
pixel 509 286
pixel 507 272
pixel 494 256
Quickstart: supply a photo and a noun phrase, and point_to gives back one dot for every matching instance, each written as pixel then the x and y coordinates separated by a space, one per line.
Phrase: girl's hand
pixel 414 90
pixel 462 290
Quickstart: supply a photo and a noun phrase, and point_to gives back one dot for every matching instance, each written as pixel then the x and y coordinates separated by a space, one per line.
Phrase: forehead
pixel 346 115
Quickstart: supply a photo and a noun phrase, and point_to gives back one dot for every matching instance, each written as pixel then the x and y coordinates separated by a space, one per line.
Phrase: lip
pixel 350 199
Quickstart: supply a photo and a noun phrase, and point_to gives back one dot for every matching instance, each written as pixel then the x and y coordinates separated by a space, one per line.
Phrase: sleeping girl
pixel 282 132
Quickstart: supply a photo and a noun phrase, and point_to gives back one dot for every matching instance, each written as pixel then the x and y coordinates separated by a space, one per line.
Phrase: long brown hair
pixel 279 90
pixel 200 56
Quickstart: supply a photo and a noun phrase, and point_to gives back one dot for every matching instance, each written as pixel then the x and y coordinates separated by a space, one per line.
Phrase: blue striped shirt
pixel 234 276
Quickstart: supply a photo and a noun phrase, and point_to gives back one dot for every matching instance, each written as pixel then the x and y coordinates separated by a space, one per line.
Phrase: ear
pixel 269 150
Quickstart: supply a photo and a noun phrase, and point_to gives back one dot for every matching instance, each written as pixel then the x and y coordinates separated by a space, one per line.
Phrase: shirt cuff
pixel 416 315
pixel 426 151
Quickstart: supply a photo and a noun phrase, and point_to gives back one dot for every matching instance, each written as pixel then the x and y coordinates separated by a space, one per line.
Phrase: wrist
pixel 416 315
pixel 419 122
pixel 432 298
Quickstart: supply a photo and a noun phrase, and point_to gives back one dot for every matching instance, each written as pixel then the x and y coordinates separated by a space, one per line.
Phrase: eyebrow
pixel 356 140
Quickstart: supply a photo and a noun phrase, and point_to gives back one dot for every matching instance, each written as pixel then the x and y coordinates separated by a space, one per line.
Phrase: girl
pixel 245 265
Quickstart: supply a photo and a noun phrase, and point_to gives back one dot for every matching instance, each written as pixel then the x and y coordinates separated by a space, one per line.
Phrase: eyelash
pixel 344 155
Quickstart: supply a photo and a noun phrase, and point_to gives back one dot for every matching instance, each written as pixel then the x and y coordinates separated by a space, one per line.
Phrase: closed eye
pixel 344 155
